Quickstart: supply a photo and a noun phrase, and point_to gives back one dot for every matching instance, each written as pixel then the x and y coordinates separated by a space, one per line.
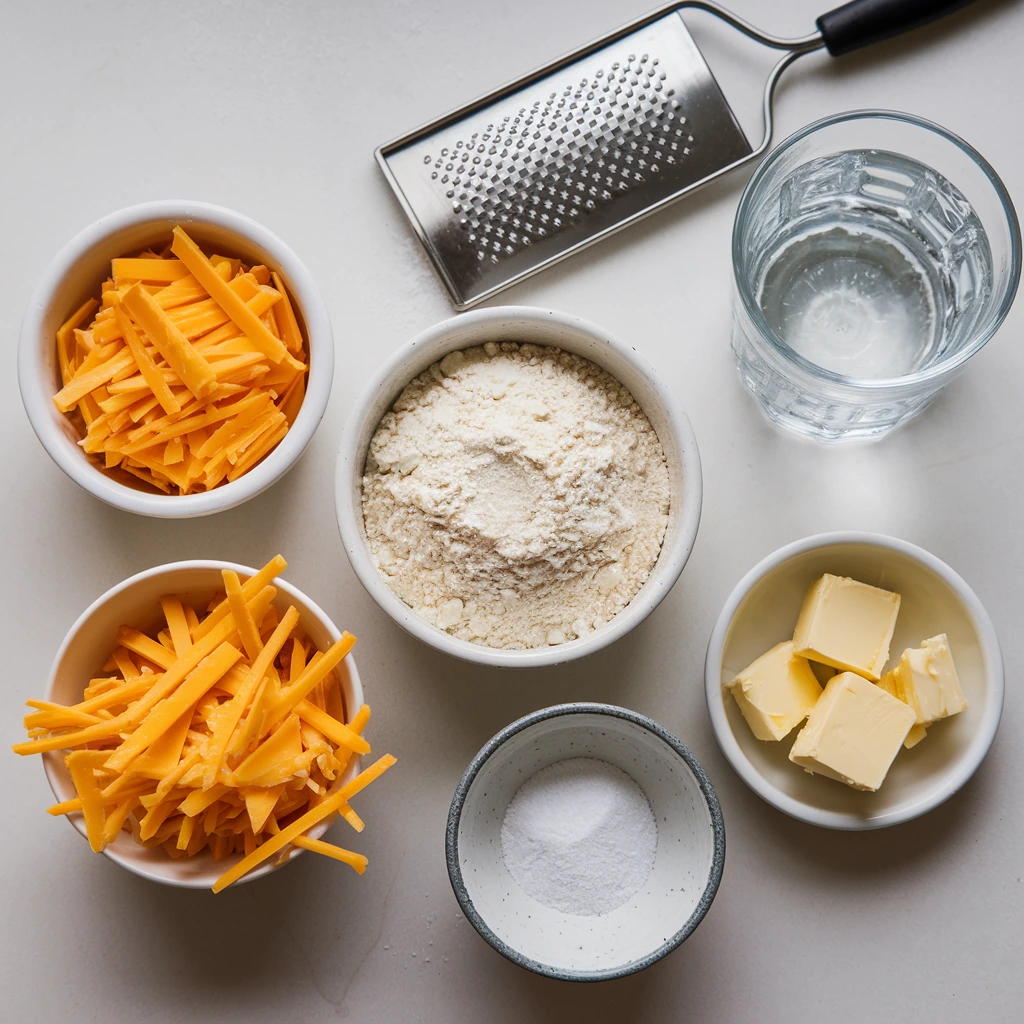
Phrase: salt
pixel 579 837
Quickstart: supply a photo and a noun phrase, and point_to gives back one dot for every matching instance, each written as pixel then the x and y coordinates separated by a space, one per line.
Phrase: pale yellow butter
pixel 847 624
pixel 776 692
pixel 853 733
pixel 916 734
pixel 927 680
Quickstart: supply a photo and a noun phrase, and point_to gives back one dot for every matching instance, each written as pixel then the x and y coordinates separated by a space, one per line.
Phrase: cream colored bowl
pixel 75 275
pixel 135 602
pixel 762 611
pixel 538 327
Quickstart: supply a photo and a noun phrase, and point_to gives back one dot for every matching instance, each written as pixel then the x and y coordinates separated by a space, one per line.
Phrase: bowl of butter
pixel 854 681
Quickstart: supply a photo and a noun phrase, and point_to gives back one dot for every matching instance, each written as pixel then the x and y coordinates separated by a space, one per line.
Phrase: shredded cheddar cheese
pixel 191 371
pixel 224 731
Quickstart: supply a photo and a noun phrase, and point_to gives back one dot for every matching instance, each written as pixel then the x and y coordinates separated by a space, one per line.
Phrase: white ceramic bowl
pixel 688 861
pixel 762 611
pixel 75 275
pixel 87 646
pixel 538 327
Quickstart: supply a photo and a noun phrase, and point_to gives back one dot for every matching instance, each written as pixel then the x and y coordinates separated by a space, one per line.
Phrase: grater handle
pixel 863 22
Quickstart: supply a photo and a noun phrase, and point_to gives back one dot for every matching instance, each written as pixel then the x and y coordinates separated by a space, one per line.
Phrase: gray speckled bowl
pixel 687 865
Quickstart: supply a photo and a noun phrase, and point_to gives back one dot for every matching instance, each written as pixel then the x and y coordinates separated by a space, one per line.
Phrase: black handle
pixel 862 22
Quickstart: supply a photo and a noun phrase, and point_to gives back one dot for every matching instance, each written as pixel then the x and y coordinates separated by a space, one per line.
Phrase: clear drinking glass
pixel 874 253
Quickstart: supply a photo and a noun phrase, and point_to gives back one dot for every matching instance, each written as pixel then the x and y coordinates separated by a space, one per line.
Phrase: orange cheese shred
pixel 354 860
pixel 149 371
pixel 163 271
pixel 285 317
pixel 192 369
pixel 248 322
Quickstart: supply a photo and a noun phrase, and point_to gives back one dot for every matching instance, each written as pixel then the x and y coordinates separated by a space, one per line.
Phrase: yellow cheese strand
pixel 117 817
pixel 81 765
pixel 327 806
pixel 195 372
pixel 65 807
pixel 185 834
pixel 259 804
pixel 151 374
pixel 146 646
pixel 65 330
pixel 334 730
pixel 246 626
pixel 286 316
pixel 252 586
pixel 153 270
pixel 248 322
pixel 87 380
pixel 355 860
pixel 198 801
pixel 174 613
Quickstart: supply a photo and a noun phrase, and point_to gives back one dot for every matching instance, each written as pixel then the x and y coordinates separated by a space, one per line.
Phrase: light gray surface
pixel 275 109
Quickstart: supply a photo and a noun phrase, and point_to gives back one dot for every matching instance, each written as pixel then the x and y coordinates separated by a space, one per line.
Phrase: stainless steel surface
pixel 555 161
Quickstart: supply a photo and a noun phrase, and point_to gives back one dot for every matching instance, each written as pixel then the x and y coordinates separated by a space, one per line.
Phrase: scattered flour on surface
pixel 580 837
pixel 515 496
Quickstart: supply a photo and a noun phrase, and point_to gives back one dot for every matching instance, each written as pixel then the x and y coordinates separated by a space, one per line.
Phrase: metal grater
pixel 557 160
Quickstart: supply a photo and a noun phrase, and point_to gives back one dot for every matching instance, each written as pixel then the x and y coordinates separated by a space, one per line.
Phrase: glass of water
pixel 874 253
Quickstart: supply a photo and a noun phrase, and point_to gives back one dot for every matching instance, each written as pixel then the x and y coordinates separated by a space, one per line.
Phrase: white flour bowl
pixel 688 860
pixel 537 327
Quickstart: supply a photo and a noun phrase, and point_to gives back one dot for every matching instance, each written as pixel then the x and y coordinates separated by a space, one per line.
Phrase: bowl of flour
pixel 518 488
pixel 585 842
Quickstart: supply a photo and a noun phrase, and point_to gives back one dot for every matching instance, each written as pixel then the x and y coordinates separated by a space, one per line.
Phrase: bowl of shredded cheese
pixel 175 359
pixel 517 487
pixel 203 724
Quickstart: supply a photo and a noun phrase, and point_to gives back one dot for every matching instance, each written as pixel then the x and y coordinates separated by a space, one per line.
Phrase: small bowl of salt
pixel 585 842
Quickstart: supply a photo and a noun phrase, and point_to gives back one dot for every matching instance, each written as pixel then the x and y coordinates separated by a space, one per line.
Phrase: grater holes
pixel 537 171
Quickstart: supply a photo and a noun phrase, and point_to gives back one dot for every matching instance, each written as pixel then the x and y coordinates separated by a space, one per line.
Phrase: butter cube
pixel 847 625
pixel 927 680
pixel 916 734
pixel 853 733
pixel 776 692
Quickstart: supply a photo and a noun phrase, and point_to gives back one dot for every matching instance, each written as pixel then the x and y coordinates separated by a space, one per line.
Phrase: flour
pixel 515 496
pixel 579 837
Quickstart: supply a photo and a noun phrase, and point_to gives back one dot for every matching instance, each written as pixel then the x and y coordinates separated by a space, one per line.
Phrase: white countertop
pixel 275 109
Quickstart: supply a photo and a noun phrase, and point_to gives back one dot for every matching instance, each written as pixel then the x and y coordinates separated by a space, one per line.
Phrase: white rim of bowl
pixel 647 598
pixel 159 570
pixel 973 755
pixel 38 399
